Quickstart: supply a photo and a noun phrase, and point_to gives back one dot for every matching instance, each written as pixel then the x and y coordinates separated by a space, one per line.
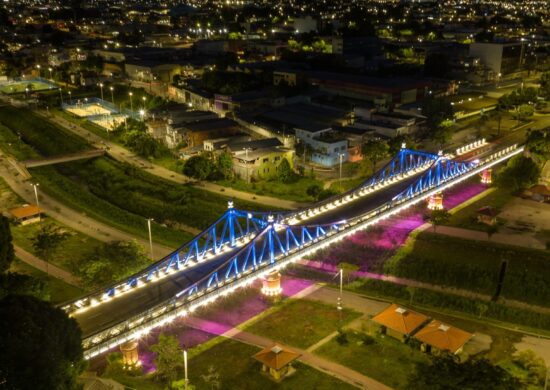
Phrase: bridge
pixel 242 246
pixel 92 153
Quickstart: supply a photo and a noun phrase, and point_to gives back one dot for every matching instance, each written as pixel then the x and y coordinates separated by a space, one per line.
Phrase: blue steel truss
pixel 226 231
pixel 273 241
pixel 404 162
pixel 441 171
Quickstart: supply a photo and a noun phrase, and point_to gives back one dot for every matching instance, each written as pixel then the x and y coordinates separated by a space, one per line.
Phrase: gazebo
pixel 276 361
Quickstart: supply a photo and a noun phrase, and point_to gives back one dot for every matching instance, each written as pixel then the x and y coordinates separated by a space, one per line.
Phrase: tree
pixel 348 269
pixel 520 172
pixel 7 254
pixel 436 110
pixel 525 111
pixel 212 378
pixel 439 217
pixel 374 150
pixel 47 239
pixel 169 357
pixel 110 262
pixel 491 230
pixel 285 174
pixel 481 308
pixel 545 84
pixel 395 143
pixel 14 283
pixel 444 373
pixel 538 144
pixel 40 347
pixel 443 133
pixel 314 190
pixel 198 167
pixel 535 365
pixel 225 165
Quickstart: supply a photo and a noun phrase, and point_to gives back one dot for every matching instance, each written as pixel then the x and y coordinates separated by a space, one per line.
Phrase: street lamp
pixel 142 114
pixel 131 101
pixel 112 95
pixel 150 236
pixel 101 88
pixel 341 158
pixel 339 306
pixel 70 97
pixel 35 186
pixel 61 95
pixel 186 380
pixel 144 98
pixel 50 70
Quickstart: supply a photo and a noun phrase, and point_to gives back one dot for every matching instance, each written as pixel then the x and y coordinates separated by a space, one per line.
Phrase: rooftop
pixel 26 211
pixel 442 336
pixel 276 356
pixel 400 319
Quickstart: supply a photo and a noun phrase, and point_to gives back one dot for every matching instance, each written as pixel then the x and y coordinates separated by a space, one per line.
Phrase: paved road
pixel 122 154
pixel 72 218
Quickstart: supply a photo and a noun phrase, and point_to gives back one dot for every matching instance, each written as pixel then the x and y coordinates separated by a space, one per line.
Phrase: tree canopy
pixel 169 357
pixel 520 172
pixel 40 347
pixel 444 373
pixel 375 150
pixel 198 167
pixel 7 254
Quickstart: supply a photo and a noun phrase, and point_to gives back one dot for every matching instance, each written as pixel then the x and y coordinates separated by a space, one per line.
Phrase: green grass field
pixel 301 323
pixel 387 360
pixel 20 87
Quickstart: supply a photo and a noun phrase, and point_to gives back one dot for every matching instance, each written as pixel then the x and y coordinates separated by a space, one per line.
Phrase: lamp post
pixel 112 95
pixel 101 88
pixel 339 306
pixel 150 236
pixel 70 98
pixel 186 380
pixel 142 114
pixel 341 158
pixel 50 70
pixel 61 95
pixel 144 99
pixel 38 67
pixel 131 101
pixel 35 186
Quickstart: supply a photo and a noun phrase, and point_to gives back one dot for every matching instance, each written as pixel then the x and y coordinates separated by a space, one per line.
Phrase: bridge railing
pixel 191 298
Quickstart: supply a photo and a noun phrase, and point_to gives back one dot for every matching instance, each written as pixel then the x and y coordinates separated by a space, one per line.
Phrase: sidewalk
pixel 122 154
pixel 50 269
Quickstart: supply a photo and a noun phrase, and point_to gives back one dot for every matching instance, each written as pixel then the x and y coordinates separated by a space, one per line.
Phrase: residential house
pixel 327 147
pixel 195 133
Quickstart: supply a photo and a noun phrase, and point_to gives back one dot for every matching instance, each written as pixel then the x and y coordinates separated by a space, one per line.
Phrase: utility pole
pixel 35 186
pixel 150 236
pixel 341 158
pixel 101 88
pixel 339 301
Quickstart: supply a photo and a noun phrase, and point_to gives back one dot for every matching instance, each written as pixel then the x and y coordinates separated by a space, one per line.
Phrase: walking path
pixel 70 217
pixel 50 269
pixel 122 154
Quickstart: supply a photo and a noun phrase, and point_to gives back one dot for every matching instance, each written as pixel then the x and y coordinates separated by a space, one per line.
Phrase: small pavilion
pixel 276 361
pixel 26 214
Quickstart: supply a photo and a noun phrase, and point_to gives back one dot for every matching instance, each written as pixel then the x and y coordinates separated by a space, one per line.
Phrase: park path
pixel 122 154
pixel 44 266
pixel 70 217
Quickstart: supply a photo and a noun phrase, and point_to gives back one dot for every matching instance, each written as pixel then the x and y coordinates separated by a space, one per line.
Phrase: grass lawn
pixel 386 360
pixel 347 184
pixel 296 191
pixel 21 86
pixel 467 216
pixel 8 199
pixel 301 323
pixel 59 290
pixel 68 254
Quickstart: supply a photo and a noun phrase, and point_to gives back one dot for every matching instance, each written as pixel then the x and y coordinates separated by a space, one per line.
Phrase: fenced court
pixel 20 85
pixel 100 112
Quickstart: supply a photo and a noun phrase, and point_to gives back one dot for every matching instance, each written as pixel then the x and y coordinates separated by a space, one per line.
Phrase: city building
pixel 502 59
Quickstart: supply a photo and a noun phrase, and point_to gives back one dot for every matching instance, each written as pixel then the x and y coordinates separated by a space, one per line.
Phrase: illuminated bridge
pixel 242 246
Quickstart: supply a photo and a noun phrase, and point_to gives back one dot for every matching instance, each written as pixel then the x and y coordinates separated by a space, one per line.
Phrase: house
pixel 539 192
pixel 276 361
pixel 327 147
pixel 399 322
pixel 487 215
pixel 259 158
pixel 195 133
pixel 26 214
pixel 437 337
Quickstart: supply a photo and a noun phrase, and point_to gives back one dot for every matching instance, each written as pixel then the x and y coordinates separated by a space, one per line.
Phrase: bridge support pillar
pixel 486 176
pixel 130 354
pixel 435 202
pixel 272 285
